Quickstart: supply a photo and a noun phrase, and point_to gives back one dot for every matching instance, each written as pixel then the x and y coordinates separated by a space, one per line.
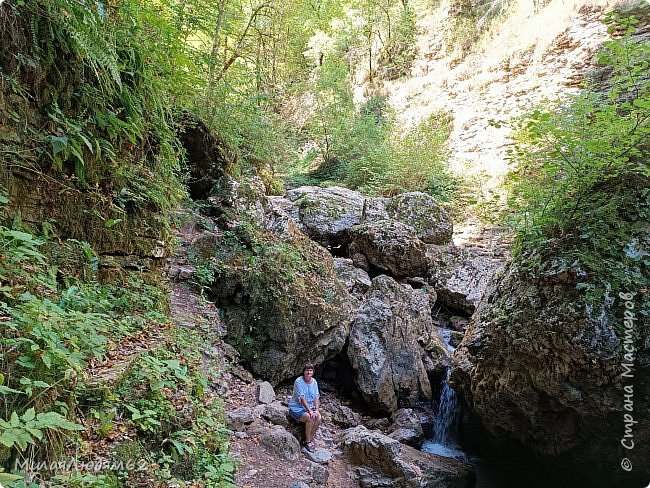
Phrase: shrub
pixel 580 189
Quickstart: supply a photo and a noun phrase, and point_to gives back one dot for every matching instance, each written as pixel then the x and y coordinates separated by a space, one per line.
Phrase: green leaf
pixel 14 421
pixel 29 415
pixel 47 361
pixel 59 144
pixel 5 390
pixel 111 222
pixel 53 420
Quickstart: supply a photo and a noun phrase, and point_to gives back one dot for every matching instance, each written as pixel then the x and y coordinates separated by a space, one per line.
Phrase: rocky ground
pixel 261 465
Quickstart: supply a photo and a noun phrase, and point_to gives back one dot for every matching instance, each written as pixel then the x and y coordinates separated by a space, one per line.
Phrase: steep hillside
pixel 524 57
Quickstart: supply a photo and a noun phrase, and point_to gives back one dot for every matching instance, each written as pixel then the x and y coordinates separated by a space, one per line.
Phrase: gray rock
pixel 326 214
pixel 246 196
pixel 431 222
pixel 284 207
pixel 204 246
pixel 281 442
pixel 406 427
pixel 411 437
pixel 320 474
pixel 408 467
pixel 460 276
pixel 265 392
pixel 346 417
pixel 370 478
pixel 258 410
pixel 276 413
pixel 540 363
pixel 356 280
pixel 360 261
pixel 298 484
pixel 299 311
pixel 384 345
pixel 237 419
pixel 319 455
pixel 391 246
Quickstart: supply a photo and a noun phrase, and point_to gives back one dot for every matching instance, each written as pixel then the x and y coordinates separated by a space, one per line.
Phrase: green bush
pixel 580 189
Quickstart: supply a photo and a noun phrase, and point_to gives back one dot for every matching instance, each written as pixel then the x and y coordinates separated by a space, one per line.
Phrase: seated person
pixel 304 404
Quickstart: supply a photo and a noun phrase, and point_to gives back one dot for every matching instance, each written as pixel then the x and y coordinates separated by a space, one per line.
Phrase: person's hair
pixel 307 366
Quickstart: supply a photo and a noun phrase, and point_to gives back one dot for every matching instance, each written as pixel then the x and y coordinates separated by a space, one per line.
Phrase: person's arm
pixel 316 400
pixel 303 400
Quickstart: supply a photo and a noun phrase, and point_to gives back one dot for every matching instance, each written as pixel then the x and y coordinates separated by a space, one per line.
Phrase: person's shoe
pixel 310 446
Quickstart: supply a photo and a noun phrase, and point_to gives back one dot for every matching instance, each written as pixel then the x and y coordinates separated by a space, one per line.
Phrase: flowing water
pixel 445 428
pixel 445 433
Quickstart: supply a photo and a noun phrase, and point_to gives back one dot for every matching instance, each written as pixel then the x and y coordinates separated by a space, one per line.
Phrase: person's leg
pixel 309 427
pixel 316 424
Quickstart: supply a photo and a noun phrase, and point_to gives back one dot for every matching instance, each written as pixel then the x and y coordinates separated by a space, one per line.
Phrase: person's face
pixel 308 373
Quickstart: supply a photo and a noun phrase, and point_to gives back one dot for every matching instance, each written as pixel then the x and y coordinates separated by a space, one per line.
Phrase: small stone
pixel 298 484
pixel 241 435
pixel 276 413
pixel 186 272
pixel 320 456
pixel 265 393
pixel 237 419
pixel 320 474
pixel 258 411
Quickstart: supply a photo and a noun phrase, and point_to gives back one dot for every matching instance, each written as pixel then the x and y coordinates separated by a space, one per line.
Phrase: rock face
pixel 384 345
pixel 385 462
pixel 419 210
pixel 541 367
pixel 391 246
pixel 460 276
pixel 282 302
pixel 210 155
pixel 325 214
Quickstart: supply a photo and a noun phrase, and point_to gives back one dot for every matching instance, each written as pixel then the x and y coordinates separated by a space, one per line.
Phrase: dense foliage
pixel 57 336
pixel 580 190
pixel 85 99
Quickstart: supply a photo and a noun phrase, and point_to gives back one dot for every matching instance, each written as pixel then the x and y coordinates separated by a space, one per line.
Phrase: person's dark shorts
pixel 296 414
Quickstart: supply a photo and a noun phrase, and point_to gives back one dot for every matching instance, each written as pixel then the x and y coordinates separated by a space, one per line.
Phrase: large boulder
pixel 240 198
pixel 386 462
pixel 460 276
pixel 385 348
pixel 545 368
pixel 390 246
pixel 281 300
pixel 407 427
pixel 325 214
pixel 431 222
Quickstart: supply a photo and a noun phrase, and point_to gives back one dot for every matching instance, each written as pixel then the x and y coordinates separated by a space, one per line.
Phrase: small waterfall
pixel 446 423
pixel 444 428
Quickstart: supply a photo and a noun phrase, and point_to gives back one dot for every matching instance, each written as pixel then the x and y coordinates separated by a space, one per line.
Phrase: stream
pixel 445 434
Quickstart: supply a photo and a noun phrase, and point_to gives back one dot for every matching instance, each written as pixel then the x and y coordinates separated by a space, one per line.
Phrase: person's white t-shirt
pixel 300 389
